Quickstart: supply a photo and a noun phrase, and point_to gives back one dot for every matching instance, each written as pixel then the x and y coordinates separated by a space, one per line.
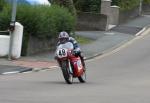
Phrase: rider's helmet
pixel 63 37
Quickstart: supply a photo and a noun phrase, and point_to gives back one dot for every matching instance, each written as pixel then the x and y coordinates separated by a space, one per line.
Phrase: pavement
pixel 103 41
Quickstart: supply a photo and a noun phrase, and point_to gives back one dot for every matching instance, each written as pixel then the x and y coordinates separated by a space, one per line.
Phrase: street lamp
pixel 12 27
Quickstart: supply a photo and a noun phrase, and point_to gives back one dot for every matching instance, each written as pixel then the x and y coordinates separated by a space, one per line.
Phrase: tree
pixel 2 3
pixel 126 4
pixel 67 4
pixel 88 5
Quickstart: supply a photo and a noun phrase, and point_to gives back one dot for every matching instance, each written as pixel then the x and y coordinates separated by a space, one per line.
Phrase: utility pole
pixel 140 7
pixel 12 27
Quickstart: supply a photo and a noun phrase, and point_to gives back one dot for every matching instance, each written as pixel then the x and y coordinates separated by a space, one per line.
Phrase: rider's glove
pixel 76 53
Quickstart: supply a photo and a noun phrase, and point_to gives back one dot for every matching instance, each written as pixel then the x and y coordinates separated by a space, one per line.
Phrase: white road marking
pixel 12 72
pixel 140 32
pixel 146 32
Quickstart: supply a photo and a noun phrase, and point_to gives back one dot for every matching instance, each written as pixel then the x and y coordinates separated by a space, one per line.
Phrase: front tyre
pixel 66 73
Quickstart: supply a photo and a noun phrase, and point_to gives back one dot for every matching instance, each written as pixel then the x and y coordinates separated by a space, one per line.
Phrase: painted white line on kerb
pixel 13 72
pixel 52 67
pixel 140 32
pixel 146 32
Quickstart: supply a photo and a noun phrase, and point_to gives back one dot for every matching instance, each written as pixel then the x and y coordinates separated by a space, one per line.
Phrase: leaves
pixel 2 3
pixel 146 1
pixel 69 4
pixel 88 5
pixel 126 4
pixel 39 21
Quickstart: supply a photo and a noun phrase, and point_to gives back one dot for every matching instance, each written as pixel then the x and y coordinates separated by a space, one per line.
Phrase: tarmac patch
pixel 127 29
pixel 110 33
pixel 5 70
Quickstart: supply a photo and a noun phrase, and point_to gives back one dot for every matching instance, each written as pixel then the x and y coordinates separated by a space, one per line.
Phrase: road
pixel 120 77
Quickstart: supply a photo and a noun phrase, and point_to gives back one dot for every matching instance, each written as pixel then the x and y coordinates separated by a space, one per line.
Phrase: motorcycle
pixel 70 64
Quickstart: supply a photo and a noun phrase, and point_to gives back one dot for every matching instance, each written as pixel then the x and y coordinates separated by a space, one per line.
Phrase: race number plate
pixel 61 53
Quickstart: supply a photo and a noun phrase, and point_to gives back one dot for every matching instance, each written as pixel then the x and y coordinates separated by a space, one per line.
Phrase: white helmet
pixel 63 37
pixel 63 34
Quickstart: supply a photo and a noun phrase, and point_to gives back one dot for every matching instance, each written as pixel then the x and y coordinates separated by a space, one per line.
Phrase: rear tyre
pixel 82 78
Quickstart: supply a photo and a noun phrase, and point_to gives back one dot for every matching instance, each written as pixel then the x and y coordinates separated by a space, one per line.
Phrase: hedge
pixel 39 21
pixel 94 5
pixel 126 4
pixel 146 1
pixel 2 3
pixel 67 4
pixel 88 5
pixel 5 17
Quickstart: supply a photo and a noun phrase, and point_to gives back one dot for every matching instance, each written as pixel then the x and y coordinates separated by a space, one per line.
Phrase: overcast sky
pixel 38 1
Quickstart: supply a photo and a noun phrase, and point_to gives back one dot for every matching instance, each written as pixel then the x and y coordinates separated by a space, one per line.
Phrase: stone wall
pixel 146 8
pixel 90 21
pixel 36 45
pixel 125 16
pixel 114 15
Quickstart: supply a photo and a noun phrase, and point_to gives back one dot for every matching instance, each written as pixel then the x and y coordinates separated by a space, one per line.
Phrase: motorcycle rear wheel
pixel 82 78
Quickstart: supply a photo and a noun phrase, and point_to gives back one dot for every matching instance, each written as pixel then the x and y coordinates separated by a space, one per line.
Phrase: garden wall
pixel 91 21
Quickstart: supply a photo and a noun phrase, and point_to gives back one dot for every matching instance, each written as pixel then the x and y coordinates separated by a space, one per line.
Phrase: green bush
pixel 5 17
pixel 146 1
pixel 126 4
pixel 39 21
pixel 88 5
pixel 2 3
pixel 46 21
pixel 67 4
pixel 94 5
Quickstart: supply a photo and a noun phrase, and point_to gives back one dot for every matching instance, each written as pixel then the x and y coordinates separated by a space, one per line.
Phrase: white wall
pixel 4 45
pixel 16 42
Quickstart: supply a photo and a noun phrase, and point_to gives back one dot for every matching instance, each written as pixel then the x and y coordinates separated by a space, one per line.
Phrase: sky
pixel 32 1
pixel 38 1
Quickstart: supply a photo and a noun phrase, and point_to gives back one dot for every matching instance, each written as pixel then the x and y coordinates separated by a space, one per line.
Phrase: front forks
pixel 70 67
pixel 67 63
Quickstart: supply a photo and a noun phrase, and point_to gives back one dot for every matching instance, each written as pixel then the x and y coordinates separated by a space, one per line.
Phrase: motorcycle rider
pixel 64 38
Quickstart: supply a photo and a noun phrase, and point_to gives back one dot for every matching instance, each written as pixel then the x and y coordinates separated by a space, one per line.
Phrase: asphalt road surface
pixel 121 77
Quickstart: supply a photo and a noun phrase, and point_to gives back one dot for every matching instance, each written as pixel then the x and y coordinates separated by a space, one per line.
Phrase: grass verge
pixel 83 40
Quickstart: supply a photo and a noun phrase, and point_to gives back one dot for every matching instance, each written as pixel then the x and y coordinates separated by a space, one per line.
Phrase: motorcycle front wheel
pixel 66 73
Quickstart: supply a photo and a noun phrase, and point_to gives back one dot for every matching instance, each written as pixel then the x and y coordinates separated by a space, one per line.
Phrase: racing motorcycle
pixel 70 64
